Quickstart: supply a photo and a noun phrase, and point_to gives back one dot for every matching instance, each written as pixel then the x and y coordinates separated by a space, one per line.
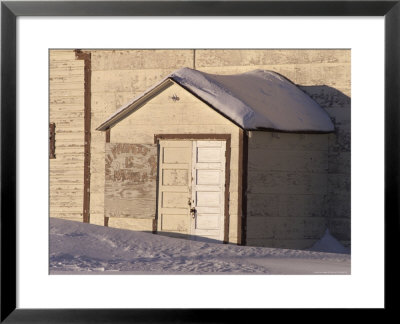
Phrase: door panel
pixel 174 199
pixel 208 189
pixel 174 222
pixel 207 198
pixel 174 187
pixel 175 155
pixel 175 177
pixel 208 177
pixel 207 221
pixel 206 154
pixel 192 177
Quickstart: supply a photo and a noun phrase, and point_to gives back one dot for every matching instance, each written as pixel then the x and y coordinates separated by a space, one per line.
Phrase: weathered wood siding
pixel 326 76
pixel 174 188
pixel 188 115
pixel 130 180
pixel 66 111
pixel 120 75
pixel 287 189
pixel 117 77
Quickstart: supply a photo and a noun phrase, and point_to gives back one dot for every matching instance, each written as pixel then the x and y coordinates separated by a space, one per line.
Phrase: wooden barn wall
pixel 117 77
pixel 188 115
pixel 120 75
pixel 66 111
pixel 326 76
pixel 287 192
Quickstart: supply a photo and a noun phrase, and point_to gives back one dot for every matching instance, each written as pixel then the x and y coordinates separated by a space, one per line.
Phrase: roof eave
pixel 135 105
pixel 275 130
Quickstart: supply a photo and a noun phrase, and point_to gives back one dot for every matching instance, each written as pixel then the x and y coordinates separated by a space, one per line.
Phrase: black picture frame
pixel 10 10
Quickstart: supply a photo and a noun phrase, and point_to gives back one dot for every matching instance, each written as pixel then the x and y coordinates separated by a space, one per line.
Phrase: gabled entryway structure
pixel 230 158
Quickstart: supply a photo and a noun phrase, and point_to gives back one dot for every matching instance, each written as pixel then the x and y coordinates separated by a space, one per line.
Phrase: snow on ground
pixel 329 244
pixel 78 248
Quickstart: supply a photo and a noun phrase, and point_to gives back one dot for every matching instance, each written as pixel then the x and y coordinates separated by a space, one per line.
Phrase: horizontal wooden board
pixel 340 162
pixel 288 160
pixel 130 180
pixel 134 81
pixel 71 217
pixel 339 183
pixel 141 59
pixel 331 75
pixel 287 205
pixel 131 224
pixel 287 183
pixel 329 98
pixel 253 57
pixel 281 243
pixel 288 141
pixel 340 205
pixel 286 227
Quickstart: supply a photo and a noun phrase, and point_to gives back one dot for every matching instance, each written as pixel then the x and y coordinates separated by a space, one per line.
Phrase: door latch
pixel 193 212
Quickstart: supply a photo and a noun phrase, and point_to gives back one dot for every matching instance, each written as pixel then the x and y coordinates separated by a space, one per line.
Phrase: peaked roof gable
pixel 254 100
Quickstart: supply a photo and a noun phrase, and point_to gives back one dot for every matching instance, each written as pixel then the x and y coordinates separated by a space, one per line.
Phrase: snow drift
pixel 80 248
pixel 328 243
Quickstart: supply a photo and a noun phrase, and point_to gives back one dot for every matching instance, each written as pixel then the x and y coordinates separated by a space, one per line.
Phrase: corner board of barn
pixel 134 144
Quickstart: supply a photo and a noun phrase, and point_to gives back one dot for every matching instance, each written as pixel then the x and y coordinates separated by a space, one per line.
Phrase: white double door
pixel 192 188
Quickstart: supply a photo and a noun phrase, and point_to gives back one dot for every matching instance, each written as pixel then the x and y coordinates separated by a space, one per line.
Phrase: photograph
pixel 199 161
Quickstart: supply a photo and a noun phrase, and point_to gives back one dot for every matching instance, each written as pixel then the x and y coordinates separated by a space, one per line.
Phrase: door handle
pixel 193 212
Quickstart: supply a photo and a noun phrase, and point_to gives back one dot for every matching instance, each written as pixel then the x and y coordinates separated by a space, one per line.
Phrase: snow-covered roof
pixel 254 100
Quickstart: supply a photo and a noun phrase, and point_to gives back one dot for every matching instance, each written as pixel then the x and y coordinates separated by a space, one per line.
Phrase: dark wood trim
pixel 215 137
pixel 273 130
pixel 240 190
pixel 154 230
pixel 242 185
pixel 108 138
pixel 243 175
pixel 227 188
pixel 108 135
pixel 86 56
pixel 155 221
pixel 52 140
pixel 210 137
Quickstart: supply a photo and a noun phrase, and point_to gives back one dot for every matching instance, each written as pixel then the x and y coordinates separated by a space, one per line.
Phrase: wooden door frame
pixel 209 137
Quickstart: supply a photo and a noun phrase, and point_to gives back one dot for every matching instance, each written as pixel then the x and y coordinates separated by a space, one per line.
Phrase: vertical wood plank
pixel 87 131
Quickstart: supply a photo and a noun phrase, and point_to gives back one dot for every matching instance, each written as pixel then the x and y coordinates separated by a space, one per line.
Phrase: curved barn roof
pixel 254 100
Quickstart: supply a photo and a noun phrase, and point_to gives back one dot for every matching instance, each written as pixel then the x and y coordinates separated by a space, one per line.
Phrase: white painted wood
pixel 174 187
pixel 207 198
pixel 208 185
pixel 208 154
pixel 208 177
pixel 203 188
